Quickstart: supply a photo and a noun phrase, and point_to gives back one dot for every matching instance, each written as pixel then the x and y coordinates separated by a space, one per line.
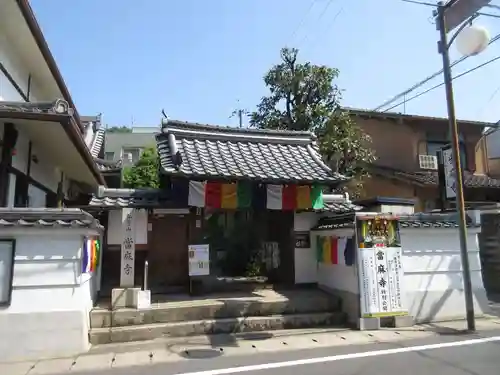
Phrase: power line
pixel 333 20
pixel 425 80
pixel 319 18
pixel 303 19
pixel 490 99
pixel 442 83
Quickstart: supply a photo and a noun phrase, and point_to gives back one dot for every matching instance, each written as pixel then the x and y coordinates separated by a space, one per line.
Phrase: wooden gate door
pixel 168 255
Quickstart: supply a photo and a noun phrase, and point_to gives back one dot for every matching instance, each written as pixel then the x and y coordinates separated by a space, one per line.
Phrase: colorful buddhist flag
pixel 90 255
pixel 319 249
pixel 327 250
pixel 294 197
pixel 333 250
pixel 220 195
pixel 86 256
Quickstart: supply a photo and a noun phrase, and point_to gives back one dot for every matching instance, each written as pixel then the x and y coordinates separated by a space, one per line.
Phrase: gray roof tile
pixel 419 220
pixel 213 152
pixel 340 208
pixel 47 218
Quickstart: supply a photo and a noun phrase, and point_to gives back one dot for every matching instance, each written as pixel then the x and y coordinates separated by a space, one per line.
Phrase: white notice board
pixel 199 260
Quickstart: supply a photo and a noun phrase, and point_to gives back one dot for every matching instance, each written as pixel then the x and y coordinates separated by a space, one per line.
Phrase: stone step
pixel 215 326
pixel 221 308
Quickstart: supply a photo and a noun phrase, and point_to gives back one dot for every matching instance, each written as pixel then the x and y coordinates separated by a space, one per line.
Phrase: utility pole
pixel 448 16
pixel 240 112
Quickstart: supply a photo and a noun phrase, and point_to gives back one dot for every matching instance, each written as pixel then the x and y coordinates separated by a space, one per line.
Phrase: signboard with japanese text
pixel 450 178
pixel 127 272
pixel 380 266
pixel 199 260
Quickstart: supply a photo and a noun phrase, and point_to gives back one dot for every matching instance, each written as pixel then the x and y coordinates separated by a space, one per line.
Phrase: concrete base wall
pixel 38 335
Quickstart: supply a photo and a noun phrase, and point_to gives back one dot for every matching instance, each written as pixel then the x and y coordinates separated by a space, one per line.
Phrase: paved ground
pixel 452 354
pixel 187 355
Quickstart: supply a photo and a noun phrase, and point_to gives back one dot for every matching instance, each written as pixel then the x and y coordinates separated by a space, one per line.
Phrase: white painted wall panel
pixel 305 259
pixel 51 298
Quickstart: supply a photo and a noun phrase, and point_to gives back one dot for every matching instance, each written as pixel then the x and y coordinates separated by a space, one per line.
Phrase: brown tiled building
pixel 406 167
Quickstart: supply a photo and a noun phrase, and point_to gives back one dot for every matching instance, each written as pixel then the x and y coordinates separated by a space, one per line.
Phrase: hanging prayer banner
pixel 241 195
pixel 90 254
pixel 380 266
pixel 335 250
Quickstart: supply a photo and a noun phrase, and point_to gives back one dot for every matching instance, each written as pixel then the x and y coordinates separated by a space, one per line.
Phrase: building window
pixel 7 252
pixel 131 155
pixel 109 156
pixel 433 147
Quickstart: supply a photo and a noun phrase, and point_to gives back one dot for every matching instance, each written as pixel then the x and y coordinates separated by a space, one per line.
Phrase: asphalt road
pixel 456 354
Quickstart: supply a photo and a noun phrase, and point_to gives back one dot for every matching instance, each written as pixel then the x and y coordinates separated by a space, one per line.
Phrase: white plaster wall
pixel 115 227
pixel 433 274
pixel 43 172
pixel 51 298
pixel 433 280
pixel 337 276
pixel 12 62
pixel 305 259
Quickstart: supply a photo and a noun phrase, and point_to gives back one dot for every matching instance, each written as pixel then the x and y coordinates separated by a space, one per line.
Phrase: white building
pixel 45 290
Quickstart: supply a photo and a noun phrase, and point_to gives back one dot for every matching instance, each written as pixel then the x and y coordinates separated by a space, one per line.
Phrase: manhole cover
pixel 201 353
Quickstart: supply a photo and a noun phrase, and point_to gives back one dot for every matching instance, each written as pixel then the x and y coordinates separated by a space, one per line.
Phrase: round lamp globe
pixel 473 40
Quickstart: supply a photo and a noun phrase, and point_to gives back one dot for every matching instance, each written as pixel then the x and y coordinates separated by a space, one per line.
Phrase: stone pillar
pixel 127 271
pixel 127 295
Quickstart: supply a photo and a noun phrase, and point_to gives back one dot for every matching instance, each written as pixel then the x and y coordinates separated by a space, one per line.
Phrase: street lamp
pixel 471 40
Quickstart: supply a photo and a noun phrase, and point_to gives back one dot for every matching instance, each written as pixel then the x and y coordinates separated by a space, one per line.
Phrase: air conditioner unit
pixel 428 162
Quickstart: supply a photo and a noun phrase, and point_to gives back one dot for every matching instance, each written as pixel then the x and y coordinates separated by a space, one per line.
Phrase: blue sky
pixel 130 59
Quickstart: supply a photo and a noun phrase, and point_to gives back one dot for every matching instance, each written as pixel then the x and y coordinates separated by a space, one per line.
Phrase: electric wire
pixel 442 83
pixel 339 12
pixel 425 80
pixel 323 12
pixel 303 19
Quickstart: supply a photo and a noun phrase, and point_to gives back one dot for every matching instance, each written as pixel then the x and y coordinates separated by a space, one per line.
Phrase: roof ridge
pixel 185 126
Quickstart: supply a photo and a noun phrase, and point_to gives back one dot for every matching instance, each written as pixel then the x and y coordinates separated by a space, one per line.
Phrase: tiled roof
pixel 340 207
pixel 137 198
pixel 108 166
pixel 214 152
pixel 97 141
pixel 134 200
pixel 433 220
pixel 47 218
pixel 431 178
pixel 57 107
pixel 419 220
pixel 409 117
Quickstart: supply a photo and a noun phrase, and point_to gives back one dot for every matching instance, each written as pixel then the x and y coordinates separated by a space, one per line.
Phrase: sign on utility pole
pixel 458 11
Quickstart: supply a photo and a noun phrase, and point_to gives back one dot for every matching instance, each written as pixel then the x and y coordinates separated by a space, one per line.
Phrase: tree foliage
pixel 119 129
pixel 304 96
pixel 144 174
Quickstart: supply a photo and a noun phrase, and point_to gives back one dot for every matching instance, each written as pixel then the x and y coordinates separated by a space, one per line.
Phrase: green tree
pixel 144 174
pixel 119 129
pixel 304 96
